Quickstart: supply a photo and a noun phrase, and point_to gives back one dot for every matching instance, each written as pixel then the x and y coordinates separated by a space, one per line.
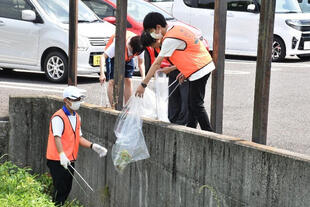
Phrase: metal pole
pixel 219 38
pixel 119 64
pixel 263 68
pixel 73 24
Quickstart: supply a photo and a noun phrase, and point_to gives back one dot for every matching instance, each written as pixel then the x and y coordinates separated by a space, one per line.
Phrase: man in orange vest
pixel 188 54
pixel 133 48
pixel 178 110
pixel 65 137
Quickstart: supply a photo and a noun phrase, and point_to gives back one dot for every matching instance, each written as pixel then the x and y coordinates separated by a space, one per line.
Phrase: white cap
pixel 73 92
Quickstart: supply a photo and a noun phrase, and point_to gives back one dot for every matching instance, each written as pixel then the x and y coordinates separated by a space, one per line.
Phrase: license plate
pixel 96 60
pixel 306 45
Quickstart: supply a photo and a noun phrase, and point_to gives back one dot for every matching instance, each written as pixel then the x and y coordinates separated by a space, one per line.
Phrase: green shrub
pixel 18 188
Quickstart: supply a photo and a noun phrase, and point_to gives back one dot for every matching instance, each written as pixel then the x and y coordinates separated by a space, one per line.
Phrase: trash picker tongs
pixel 81 178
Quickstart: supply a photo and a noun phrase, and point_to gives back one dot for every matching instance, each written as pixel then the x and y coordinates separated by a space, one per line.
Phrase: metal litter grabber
pixel 81 179
pixel 173 89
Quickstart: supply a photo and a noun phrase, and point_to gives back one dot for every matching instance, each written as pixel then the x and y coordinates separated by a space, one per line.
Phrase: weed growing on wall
pixel 213 191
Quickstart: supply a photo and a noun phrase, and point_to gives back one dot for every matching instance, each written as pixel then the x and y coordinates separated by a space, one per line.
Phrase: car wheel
pixel 278 49
pixel 56 67
pixel 147 61
pixel 304 57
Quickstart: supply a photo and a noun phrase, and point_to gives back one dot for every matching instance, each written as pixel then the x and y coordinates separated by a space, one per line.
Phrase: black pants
pixel 197 111
pixel 178 110
pixel 62 181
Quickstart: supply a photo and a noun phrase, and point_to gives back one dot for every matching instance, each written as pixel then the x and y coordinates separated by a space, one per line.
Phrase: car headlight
pixel 300 25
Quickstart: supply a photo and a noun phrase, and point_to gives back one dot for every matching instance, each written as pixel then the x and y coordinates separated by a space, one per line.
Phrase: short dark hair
pixel 146 39
pixel 136 45
pixel 152 19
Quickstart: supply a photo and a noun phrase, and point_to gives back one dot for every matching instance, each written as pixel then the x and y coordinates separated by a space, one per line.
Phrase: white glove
pixel 100 150
pixel 64 161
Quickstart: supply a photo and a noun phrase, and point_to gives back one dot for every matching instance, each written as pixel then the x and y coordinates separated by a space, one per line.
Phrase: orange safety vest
pixel 70 140
pixel 128 36
pixel 194 57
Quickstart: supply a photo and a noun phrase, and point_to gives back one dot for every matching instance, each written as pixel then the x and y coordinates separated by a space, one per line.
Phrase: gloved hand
pixel 100 150
pixel 64 161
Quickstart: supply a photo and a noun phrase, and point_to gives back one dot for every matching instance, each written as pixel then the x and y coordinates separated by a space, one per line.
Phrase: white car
pixel 163 4
pixel 34 35
pixel 291 27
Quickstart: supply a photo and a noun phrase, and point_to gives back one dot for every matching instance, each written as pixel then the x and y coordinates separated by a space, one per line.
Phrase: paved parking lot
pixel 289 111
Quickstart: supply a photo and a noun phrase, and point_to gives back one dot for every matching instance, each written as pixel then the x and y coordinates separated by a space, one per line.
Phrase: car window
pixel 286 6
pixel 232 5
pixel 207 4
pixel 100 8
pixel 139 9
pixel 304 5
pixel 241 5
pixel 13 8
pixel 59 10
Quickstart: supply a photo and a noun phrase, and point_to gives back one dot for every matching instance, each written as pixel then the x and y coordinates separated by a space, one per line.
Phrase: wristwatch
pixel 143 85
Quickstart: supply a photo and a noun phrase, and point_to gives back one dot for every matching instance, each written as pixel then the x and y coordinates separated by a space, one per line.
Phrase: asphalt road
pixel 289 111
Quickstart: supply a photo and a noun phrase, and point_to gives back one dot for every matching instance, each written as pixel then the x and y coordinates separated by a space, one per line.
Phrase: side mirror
pixel 111 20
pixel 251 8
pixel 28 15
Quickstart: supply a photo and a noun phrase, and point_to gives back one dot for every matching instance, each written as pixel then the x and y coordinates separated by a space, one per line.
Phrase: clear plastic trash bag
pixel 161 90
pixel 104 99
pixel 149 104
pixel 130 144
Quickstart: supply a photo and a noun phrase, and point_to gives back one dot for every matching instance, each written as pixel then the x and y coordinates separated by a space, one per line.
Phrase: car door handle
pixel 1 23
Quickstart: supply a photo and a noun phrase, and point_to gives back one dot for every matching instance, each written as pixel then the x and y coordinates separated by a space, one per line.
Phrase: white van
pixel 291 27
pixel 34 36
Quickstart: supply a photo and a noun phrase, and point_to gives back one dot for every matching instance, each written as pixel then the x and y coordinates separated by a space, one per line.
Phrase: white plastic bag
pixel 161 90
pixel 130 144
pixel 104 99
pixel 149 104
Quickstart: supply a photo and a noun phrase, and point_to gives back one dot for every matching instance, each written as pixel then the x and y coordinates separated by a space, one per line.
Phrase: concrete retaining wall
pixel 187 167
pixel 4 136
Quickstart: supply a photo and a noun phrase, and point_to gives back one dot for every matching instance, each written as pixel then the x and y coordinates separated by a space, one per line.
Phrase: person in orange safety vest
pixel 65 137
pixel 178 109
pixel 133 48
pixel 188 55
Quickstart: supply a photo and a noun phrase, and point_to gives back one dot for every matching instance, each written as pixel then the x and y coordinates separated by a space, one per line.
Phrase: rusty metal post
pixel 219 38
pixel 73 24
pixel 263 69
pixel 119 64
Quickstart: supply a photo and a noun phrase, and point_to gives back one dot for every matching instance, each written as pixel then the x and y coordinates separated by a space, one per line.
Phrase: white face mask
pixel 156 36
pixel 75 105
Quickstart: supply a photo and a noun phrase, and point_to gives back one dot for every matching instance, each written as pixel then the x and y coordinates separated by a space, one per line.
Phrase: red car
pixel 136 11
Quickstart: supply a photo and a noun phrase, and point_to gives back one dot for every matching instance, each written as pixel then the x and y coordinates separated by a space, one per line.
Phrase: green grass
pixel 18 188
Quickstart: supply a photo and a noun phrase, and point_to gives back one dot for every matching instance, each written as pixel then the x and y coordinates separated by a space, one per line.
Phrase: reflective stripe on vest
pixel 70 140
pixel 194 56
pixel 128 36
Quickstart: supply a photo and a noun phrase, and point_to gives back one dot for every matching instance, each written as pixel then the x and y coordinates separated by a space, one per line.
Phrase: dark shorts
pixel 129 68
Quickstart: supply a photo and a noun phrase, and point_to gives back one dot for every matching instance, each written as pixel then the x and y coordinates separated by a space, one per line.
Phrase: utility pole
pixel 263 69
pixel 73 24
pixel 219 38
pixel 119 64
